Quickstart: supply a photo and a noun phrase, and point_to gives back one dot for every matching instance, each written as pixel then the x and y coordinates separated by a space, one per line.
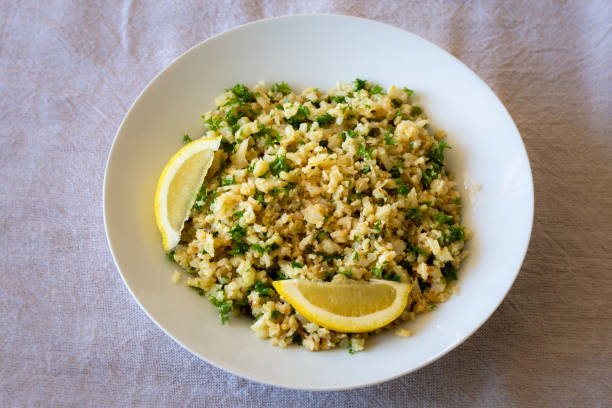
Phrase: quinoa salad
pixel 350 183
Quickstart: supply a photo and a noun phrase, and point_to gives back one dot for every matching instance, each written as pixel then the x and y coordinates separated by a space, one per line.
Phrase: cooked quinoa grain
pixel 349 184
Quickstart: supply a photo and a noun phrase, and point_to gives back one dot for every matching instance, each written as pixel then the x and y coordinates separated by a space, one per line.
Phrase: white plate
pixel 318 51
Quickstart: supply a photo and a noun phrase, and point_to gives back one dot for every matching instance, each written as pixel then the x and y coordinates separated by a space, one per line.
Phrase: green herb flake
pixel 337 99
pixel 213 123
pixel 282 88
pixel 377 229
pixel 390 140
pixel 296 264
pixel 238 234
pixel 170 256
pixel 224 307
pixel 227 146
pixel 449 271
pixel 198 289
pixel 228 181
pixel 279 164
pixel 453 234
pixel 242 94
pixel 276 274
pixel 325 119
pixel 414 214
pixel 346 273
pixel 347 133
pixel 442 218
pixel 416 110
pixel 302 115
pixel 350 347
pixel 403 188
pixel 262 289
pixel 186 138
pixel 320 233
pixel 365 151
pixel 376 90
pixel 359 84
pixel 410 92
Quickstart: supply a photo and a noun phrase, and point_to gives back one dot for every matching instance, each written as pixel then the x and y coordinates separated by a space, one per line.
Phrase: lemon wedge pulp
pixel 177 187
pixel 346 306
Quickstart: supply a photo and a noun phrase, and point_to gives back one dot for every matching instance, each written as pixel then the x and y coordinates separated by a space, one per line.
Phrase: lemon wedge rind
pixel 291 291
pixel 177 187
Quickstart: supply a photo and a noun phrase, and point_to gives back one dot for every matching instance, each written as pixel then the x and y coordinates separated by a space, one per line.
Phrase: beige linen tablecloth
pixel 71 334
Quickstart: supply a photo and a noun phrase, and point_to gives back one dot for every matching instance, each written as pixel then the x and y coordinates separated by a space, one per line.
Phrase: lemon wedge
pixel 347 306
pixel 177 187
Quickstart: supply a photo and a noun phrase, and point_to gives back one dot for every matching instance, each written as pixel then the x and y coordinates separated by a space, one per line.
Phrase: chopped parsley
pixel 337 99
pixel 403 188
pixel 365 151
pixel 349 133
pixel 296 264
pixel 429 175
pixel 213 124
pixel 279 164
pixel 225 307
pixel 414 214
pixel 271 136
pixel 442 218
pixel 262 288
pixel 302 115
pixel 329 258
pixel 276 274
pixel 260 198
pixel 436 154
pixel 346 273
pixel 320 233
pixel 350 345
pixel 242 94
pixel 390 140
pixel 228 181
pixel 453 234
pixel 376 90
pixel 416 110
pixel 170 256
pixel 325 119
pixel 186 138
pixel 227 146
pixel 238 234
pixel 258 248
pixel 395 171
pixel 377 272
pixel 204 197
pixel 359 84
pixel 392 276
pixel 274 314
pixel 449 271
pixel 377 228
pixel 410 92
pixel 198 289
pixel 282 88
pixel 415 250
